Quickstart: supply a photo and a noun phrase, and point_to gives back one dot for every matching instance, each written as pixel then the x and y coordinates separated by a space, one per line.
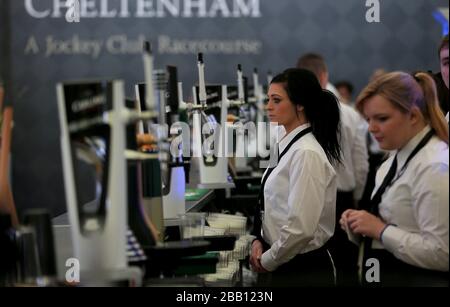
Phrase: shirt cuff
pixel 380 238
pixel 357 195
pixel 268 262
pixel 390 238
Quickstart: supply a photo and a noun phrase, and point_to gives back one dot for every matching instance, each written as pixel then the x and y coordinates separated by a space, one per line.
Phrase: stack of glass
pixel 228 271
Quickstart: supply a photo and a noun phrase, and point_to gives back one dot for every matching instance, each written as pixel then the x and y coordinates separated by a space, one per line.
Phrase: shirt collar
pixel 403 154
pixel 288 137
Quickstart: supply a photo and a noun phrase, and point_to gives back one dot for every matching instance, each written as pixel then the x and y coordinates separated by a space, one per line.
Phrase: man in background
pixel 443 57
pixel 442 77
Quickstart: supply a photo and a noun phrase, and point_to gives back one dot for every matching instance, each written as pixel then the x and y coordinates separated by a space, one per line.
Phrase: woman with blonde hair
pixel 406 227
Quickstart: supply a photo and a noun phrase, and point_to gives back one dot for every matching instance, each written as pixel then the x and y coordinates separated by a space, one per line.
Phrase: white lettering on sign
pixel 147 8
pixel 122 44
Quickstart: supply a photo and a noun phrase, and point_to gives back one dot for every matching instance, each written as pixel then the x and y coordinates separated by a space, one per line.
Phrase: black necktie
pixel 376 199
pixel 366 242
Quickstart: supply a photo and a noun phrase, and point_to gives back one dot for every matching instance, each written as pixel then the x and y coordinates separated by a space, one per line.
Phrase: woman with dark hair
pixel 298 195
pixel 407 225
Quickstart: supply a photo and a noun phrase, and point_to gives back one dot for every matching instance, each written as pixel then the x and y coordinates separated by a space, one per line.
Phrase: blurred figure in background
pixel 377 73
pixel 441 78
pixel 443 57
pixel 315 62
pixel 345 89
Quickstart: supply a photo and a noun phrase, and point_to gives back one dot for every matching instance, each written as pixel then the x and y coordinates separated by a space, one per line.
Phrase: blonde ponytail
pixel 432 110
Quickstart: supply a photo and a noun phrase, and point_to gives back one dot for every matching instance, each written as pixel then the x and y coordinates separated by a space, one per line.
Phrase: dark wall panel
pixel 406 38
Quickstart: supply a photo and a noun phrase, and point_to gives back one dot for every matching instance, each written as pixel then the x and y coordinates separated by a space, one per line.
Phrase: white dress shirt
pixel 330 87
pixel 352 173
pixel 417 205
pixel 300 201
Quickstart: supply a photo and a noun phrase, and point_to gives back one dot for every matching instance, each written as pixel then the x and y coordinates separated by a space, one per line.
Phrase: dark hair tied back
pixel 321 108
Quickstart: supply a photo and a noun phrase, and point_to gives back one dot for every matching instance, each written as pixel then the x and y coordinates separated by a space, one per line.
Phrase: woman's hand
pixel 364 223
pixel 255 257
pixel 344 219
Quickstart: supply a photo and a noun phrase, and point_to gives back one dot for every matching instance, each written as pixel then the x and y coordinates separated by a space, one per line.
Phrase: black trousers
pixel 396 273
pixel 313 269
pixel 344 252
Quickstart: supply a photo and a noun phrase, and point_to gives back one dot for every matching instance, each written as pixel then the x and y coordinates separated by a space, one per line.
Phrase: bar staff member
pixel 407 227
pixel 298 195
